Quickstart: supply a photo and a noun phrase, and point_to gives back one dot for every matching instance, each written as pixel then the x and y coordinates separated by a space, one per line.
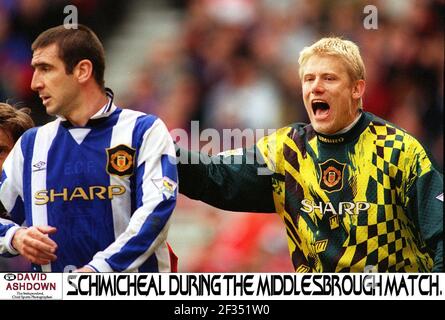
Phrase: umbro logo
pixel 440 197
pixel 39 166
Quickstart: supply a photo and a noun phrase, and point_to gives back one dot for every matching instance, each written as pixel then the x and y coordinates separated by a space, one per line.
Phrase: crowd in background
pixel 21 21
pixel 234 65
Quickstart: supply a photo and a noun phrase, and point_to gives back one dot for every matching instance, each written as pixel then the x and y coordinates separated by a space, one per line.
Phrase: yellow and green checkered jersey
pixel 367 200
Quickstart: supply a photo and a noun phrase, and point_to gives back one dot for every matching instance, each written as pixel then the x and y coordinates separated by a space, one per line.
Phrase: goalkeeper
pixel 355 193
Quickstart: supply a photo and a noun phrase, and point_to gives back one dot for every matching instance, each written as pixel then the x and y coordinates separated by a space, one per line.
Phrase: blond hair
pixel 346 50
pixel 14 122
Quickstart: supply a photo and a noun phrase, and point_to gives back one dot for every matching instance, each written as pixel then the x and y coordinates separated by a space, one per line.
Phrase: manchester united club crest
pixel 331 175
pixel 120 160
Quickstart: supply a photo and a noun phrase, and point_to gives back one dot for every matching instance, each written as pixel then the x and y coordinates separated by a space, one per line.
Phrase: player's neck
pixel 351 125
pixel 92 99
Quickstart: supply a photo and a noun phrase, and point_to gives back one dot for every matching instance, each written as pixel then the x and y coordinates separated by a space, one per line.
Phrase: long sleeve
pixel 234 180
pixel 425 203
pixel 154 198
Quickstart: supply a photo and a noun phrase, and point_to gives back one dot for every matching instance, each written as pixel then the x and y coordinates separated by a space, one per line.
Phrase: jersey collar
pixel 349 135
pixel 108 108
pixel 99 116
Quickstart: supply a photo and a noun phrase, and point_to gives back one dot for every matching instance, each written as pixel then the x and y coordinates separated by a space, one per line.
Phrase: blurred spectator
pixel 243 99
pixel 244 243
pixel 14 60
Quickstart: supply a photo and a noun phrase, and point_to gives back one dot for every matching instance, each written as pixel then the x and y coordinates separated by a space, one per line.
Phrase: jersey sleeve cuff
pixel 89 266
pixel 100 265
pixel 8 240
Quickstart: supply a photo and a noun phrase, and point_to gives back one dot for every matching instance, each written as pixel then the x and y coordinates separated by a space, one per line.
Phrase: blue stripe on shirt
pixel 138 191
pixel 138 244
pixel 3 230
pixel 18 211
pixel 168 167
pixel 3 177
pixel 143 123
pixel 150 265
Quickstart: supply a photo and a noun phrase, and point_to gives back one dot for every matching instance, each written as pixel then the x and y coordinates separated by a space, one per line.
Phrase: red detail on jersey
pixel 173 259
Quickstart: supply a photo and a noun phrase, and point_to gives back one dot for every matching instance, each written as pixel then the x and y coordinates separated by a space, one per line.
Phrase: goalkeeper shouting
pixel 355 193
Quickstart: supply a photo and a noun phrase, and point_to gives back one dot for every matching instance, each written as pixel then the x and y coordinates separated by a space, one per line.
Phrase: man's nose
pixel 317 86
pixel 36 82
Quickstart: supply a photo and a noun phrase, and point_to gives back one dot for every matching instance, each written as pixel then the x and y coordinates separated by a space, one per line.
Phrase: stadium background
pixel 233 64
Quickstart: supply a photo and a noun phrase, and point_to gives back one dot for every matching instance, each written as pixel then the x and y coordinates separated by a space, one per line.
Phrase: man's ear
pixel 359 89
pixel 83 70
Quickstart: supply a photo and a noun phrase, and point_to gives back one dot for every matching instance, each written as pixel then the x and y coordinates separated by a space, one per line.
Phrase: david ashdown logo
pixel 30 282
pixel 31 286
pixel 9 277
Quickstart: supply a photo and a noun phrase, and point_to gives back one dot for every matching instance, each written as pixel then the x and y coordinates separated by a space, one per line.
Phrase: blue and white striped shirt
pixel 109 188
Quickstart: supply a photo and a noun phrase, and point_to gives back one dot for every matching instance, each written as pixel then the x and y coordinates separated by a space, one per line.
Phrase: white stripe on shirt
pixel 43 141
pixel 121 206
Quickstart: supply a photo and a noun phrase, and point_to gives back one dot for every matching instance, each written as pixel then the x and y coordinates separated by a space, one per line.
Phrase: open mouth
pixel 320 107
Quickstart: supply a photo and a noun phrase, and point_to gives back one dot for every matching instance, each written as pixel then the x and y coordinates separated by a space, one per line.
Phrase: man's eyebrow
pixel 309 74
pixel 329 73
pixel 40 64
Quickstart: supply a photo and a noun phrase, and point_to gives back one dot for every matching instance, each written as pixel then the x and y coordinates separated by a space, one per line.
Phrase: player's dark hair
pixel 75 45
pixel 15 121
